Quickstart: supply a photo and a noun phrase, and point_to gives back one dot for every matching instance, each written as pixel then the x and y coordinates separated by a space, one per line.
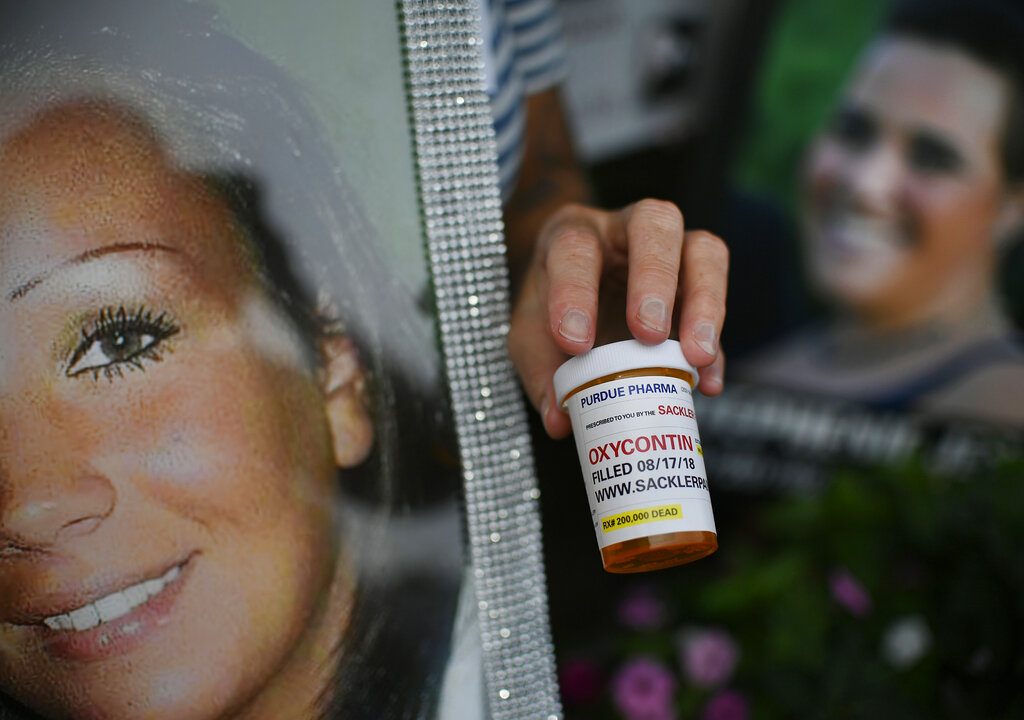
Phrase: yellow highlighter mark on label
pixel 639 517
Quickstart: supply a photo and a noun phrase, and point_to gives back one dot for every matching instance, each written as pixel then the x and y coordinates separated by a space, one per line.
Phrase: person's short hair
pixel 989 31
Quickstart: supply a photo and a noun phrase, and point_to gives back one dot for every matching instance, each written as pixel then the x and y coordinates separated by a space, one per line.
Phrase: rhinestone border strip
pixel 456 159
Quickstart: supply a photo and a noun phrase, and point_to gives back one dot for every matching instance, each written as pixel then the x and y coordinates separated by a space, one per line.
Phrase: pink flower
pixel 642 609
pixel 642 690
pixel 581 681
pixel 848 592
pixel 708 656
pixel 726 705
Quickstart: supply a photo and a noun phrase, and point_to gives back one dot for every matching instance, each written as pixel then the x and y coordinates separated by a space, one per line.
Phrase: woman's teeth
pixel 861 233
pixel 113 605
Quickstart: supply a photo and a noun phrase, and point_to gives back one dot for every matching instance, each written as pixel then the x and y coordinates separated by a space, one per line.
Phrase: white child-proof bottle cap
pixel 619 357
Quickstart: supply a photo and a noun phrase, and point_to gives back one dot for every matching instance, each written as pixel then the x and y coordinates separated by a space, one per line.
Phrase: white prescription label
pixel 641 457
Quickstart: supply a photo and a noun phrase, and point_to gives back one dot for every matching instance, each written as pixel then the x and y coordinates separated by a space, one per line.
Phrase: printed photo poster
pixel 878 308
pixel 228 485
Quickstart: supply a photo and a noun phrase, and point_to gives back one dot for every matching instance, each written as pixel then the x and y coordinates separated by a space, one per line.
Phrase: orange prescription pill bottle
pixel 632 416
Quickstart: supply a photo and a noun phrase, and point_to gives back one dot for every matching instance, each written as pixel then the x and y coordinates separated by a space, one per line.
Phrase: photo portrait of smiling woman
pixel 910 194
pixel 199 463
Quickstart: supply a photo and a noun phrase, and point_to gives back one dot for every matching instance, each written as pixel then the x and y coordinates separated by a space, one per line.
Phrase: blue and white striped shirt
pixel 525 54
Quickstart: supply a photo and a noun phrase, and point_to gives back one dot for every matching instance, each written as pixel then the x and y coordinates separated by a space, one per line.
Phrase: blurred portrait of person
pixel 195 390
pixel 910 194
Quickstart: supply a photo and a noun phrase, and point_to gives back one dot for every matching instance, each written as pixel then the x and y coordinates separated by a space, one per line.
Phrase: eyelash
pixel 116 324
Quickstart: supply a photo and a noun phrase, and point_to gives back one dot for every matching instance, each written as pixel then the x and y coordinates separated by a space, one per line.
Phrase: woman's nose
pixel 51 490
pixel 40 513
pixel 873 181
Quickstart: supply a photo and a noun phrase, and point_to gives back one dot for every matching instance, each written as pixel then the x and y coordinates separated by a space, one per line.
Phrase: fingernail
pixel 704 336
pixel 654 314
pixel 575 326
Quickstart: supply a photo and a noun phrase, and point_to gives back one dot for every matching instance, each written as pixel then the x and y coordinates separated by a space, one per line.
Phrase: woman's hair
pixel 989 31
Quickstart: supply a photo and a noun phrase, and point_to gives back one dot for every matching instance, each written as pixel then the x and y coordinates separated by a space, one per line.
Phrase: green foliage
pixel 813 47
pixel 938 559
pixel 938 549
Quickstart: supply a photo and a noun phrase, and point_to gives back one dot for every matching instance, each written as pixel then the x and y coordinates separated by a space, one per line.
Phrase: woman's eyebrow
pixel 84 257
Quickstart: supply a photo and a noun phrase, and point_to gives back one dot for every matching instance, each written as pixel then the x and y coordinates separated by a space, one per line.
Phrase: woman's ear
pixel 343 384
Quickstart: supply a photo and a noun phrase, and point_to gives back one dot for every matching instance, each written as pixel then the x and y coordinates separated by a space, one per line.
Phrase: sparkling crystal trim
pixel 458 177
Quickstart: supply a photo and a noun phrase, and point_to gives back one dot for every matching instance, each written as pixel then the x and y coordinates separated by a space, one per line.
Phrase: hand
pixel 642 250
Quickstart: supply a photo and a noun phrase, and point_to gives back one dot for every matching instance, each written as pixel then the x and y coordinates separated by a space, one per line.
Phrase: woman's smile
pixel 111 622
pixel 847 233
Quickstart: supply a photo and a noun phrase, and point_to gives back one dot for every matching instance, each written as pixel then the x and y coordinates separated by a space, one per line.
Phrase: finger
pixel 556 420
pixel 536 356
pixel 573 269
pixel 654 237
pixel 705 278
pixel 712 377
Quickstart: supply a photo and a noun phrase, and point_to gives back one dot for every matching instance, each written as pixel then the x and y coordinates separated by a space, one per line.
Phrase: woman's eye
pixel 120 347
pixel 854 129
pixel 930 154
pixel 119 340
